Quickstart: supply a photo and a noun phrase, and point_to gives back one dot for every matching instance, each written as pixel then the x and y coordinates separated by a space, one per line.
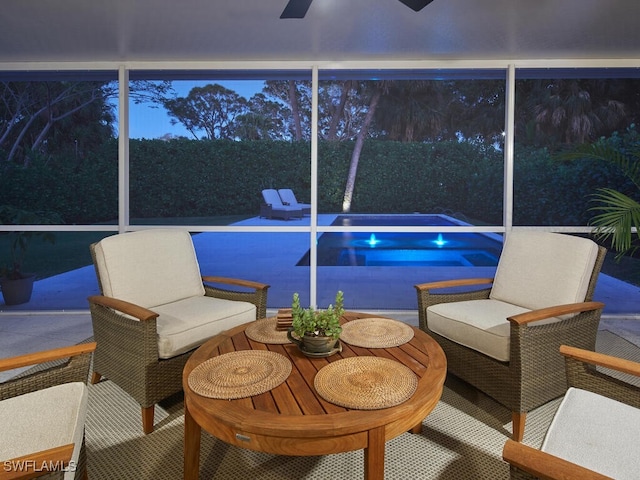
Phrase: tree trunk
pixel 295 111
pixel 357 149
pixel 337 113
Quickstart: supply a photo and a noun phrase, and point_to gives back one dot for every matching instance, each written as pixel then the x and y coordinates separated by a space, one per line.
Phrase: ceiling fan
pixel 298 8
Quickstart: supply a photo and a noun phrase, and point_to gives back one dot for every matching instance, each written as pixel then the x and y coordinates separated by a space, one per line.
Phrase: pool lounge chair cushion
pixel 528 262
pixel 289 198
pixel 273 206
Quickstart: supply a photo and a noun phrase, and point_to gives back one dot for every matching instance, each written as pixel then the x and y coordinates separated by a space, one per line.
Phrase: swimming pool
pixel 404 249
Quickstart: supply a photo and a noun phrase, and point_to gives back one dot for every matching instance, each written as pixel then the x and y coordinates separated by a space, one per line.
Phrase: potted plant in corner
pixel 317 331
pixel 15 284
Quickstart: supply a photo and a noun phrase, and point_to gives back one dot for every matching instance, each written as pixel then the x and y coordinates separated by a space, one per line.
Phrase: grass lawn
pixel 71 249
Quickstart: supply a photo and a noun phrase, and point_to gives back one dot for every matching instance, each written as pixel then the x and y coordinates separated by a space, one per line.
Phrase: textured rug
pixel 461 439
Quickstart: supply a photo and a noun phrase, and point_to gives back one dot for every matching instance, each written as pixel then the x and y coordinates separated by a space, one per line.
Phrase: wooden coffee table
pixel 292 419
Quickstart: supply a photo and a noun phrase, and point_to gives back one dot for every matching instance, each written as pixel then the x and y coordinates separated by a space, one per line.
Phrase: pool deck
pixel 271 257
pixel 58 314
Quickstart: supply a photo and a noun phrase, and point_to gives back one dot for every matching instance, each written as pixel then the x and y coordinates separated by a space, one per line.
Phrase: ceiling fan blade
pixel 416 5
pixel 296 9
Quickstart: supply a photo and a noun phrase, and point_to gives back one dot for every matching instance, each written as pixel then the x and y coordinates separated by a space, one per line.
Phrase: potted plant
pixel 318 331
pixel 16 284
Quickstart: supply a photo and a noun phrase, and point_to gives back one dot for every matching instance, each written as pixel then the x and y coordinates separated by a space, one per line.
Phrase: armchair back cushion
pixel 149 267
pixel 542 269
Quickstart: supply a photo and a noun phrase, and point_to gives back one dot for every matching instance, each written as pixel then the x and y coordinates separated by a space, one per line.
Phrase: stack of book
pixel 284 319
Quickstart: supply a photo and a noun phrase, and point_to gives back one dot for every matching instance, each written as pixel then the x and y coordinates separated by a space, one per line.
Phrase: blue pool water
pixel 404 249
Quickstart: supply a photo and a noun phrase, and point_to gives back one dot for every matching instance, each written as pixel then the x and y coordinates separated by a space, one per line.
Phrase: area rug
pixel 461 439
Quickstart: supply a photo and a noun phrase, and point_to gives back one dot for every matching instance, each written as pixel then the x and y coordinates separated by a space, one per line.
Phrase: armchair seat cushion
pixel 44 419
pixel 187 323
pixel 596 432
pixel 478 324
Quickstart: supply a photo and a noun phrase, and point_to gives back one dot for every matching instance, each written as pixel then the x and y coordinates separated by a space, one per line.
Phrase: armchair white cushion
pixel 597 433
pixel 536 270
pixel 541 269
pixel 158 270
pixel 184 324
pixel 44 419
pixel 149 268
pixel 594 433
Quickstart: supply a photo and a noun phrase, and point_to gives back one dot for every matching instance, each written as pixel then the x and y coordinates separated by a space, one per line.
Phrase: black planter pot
pixel 18 291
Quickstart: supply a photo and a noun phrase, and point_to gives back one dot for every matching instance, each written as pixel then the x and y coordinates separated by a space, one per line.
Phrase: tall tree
pixel 264 120
pixel 211 109
pixel 30 110
pixel 569 111
pixel 377 92
pixel 296 94
pixel 51 116
pixel 412 110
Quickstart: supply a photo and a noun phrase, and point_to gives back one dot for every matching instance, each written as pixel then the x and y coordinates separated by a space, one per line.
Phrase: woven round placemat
pixel 365 383
pixel 264 331
pixel 239 374
pixel 376 333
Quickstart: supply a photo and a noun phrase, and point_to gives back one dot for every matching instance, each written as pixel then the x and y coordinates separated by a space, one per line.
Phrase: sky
pixel 150 123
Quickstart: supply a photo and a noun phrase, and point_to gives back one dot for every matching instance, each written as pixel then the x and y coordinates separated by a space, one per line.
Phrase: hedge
pixel 187 178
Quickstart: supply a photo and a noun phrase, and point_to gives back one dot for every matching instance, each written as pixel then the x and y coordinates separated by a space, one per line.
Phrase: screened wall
pixel 413 172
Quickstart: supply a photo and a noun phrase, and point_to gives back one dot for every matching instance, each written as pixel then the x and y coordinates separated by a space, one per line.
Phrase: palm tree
pixel 572 111
pixel 357 148
pixel 617 215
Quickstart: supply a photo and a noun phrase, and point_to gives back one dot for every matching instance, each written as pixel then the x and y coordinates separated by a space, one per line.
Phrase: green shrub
pixel 210 178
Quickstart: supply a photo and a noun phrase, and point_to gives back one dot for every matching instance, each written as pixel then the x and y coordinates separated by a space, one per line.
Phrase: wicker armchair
pixel 155 309
pixel 54 397
pixel 594 432
pixel 503 337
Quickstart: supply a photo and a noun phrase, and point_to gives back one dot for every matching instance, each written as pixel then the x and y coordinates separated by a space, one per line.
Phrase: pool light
pixel 440 242
pixel 372 242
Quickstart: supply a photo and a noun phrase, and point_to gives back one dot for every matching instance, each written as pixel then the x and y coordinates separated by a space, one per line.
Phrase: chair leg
pixel 84 475
pixel 518 420
pixel 95 378
pixel 147 419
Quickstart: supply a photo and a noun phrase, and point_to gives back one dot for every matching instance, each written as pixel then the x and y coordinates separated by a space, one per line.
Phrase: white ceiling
pixel 333 30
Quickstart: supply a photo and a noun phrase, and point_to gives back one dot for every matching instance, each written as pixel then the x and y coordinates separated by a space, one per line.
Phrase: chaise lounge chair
pixel 274 208
pixel 289 198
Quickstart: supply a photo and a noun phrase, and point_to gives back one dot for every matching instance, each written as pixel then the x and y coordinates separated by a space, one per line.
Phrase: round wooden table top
pixel 292 419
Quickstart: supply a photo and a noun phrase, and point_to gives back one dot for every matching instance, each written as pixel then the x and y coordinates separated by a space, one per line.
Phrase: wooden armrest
pixel 544 465
pixel 555 311
pixel 602 360
pixel 235 281
pixel 45 356
pixel 37 464
pixel 462 282
pixel 128 308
